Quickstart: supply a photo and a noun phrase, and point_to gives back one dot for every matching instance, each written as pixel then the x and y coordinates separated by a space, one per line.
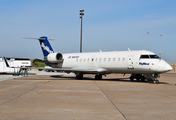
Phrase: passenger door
pixel 130 62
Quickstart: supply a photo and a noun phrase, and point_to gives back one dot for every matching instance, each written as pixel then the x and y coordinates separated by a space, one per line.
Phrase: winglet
pixel 6 62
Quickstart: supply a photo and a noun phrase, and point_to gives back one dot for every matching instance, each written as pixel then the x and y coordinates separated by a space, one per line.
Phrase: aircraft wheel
pixel 132 78
pixel 138 79
pixel 79 76
pixel 156 82
pixel 143 78
pixel 98 77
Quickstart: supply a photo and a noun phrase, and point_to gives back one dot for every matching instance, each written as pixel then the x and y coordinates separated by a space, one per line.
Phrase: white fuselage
pixel 115 62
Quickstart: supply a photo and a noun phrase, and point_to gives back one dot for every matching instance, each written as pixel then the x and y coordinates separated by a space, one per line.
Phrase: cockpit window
pixel 149 57
pixel 144 56
pixel 154 57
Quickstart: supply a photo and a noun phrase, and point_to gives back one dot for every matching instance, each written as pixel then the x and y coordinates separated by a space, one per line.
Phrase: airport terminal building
pixel 13 62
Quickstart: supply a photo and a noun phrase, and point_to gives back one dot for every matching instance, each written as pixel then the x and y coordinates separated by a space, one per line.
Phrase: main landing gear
pixel 138 77
pixel 79 76
pixel 98 77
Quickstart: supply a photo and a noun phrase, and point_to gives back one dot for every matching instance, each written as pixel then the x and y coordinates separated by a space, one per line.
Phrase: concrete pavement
pixel 61 97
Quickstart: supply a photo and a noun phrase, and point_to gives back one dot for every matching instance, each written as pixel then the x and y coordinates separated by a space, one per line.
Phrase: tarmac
pixel 58 96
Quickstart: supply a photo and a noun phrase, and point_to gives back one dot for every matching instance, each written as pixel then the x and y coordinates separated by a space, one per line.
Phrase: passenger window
pixel 123 59
pixel 119 59
pixel 104 59
pixel 109 59
pixel 113 59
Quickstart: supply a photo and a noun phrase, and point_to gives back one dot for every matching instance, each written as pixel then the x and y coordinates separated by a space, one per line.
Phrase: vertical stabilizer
pixel 45 45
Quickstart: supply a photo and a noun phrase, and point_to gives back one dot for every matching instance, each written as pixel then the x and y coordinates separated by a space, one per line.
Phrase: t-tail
pixel 50 56
pixel 46 47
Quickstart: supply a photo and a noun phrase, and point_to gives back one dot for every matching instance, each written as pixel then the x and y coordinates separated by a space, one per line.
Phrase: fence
pixel 173 65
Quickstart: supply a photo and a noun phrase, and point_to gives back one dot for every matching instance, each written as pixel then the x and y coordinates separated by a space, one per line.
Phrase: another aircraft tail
pixel 7 65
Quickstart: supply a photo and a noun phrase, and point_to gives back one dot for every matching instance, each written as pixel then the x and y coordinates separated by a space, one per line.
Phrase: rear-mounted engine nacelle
pixel 55 57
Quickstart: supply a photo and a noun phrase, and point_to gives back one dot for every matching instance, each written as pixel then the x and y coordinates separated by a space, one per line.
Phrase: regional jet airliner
pixel 140 64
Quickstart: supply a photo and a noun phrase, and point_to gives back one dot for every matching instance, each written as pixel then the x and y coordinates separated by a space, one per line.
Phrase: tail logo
pixel 46 48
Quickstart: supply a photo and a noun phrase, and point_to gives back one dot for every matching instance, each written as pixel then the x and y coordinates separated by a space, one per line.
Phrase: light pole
pixel 148 40
pixel 81 13
pixel 161 45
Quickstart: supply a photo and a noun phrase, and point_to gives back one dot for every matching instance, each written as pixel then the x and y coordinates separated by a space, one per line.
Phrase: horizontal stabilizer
pixel 35 38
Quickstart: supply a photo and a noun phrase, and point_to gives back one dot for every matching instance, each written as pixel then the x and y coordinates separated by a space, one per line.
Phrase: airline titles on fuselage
pixel 140 63
pixel 73 57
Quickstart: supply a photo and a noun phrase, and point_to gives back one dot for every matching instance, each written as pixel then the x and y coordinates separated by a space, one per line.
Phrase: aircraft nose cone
pixel 163 66
pixel 168 67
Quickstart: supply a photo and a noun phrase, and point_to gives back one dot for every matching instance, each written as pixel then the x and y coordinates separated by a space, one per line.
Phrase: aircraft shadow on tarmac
pixel 90 78
pixel 16 74
pixel 127 79
pixel 110 79
pixel 6 73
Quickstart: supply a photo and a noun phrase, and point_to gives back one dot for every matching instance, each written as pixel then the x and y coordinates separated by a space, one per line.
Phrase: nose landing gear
pixel 141 77
pixel 153 78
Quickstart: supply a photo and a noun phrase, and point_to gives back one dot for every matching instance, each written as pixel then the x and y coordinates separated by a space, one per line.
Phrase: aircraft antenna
pixel 106 48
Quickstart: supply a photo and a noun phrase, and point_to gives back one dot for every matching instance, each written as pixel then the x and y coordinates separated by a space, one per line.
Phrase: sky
pixel 112 25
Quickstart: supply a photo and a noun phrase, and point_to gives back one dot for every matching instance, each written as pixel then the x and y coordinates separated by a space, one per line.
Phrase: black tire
pixel 98 77
pixel 79 76
pixel 143 78
pixel 132 78
pixel 138 79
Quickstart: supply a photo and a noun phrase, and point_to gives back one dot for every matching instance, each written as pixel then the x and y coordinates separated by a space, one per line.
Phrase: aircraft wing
pixel 83 70
pixel 86 70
